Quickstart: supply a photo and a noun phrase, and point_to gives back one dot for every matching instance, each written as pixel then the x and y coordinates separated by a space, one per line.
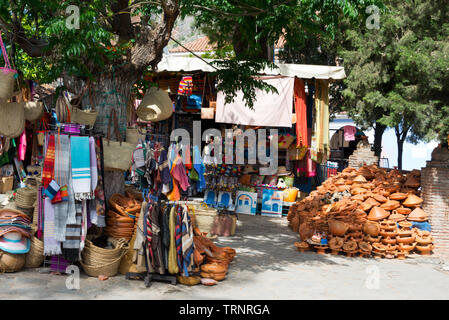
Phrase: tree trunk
pixel 378 133
pixel 400 139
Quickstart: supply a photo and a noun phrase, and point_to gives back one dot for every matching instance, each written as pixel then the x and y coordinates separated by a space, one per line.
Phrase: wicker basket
pixel 35 257
pixel 109 269
pixel 26 197
pixel 98 261
pixel 133 135
pixel 7 83
pixel 11 262
pixel 204 218
pixel 86 117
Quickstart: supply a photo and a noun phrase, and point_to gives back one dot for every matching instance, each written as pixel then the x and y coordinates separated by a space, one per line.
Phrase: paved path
pixel 267 266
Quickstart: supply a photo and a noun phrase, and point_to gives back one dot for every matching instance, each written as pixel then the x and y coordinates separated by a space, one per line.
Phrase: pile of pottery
pixel 369 212
pixel 212 261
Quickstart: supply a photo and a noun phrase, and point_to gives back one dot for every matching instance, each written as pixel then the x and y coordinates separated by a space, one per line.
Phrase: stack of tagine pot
pixel 365 212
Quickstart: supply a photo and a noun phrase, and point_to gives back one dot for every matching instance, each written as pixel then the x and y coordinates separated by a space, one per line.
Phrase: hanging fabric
pixel 301 113
pixel 80 157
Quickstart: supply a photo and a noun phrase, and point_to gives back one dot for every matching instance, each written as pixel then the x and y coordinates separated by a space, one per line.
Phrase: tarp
pixel 270 109
pixel 304 71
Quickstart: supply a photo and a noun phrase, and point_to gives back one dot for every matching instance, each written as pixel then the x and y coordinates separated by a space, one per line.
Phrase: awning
pixel 304 71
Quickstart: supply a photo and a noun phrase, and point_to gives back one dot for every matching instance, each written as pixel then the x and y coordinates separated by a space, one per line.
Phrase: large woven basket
pixel 11 262
pixel 35 257
pixel 26 197
pixel 133 135
pixel 108 269
pixel 86 117
pixel 7 83
pixel 12 121
pixel 204 217
pixel 98 261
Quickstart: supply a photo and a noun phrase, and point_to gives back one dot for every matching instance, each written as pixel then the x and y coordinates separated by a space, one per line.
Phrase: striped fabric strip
pixel 178 236
pixel 149 234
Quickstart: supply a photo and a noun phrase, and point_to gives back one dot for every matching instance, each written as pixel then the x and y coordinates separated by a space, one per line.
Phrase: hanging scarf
pixel 187 241
pixel 80 156
pixel 178 236
pixel 301 113
pixel 172 260
pixel 83 225
pixel 200 168
pixel 149 234
pixel 49 162
pixel 99 190
pixel 156 243
pixel 51 245
pixel 62 168
pixel 39 221
pixel 71 247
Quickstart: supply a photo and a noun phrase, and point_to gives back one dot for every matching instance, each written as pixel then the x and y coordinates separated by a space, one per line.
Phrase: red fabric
pixel 301 113
pixel 49 162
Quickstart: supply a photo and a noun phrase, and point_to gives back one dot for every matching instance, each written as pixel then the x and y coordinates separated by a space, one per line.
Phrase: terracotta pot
pixel 377 214
pixel 321 249
pixel 402 210
pixel 380 198
pixel 426 249
pixel 358 197
pixel 213 268
pixel 359 179
pixel 372 239
pixel 405 240
pixel 398 196
pixel 336 243
pixel 378 247
pixel 401 255
pixel 417 214
pixel 390 247
pixel 305 232
pixel 390 205
pixel 388 225
pixel 424 240
pixel 354 227
pixel 406 247
pixel 295 223
pixel 371 228
pixel 337 228
pixel 350 246
pixel 389 240
pixel 412 200
pixel 405 232
pixel 358 190
pixel 365 246
pixel 412 182
pixel 405 224
pixel 396 217
pixel 390 234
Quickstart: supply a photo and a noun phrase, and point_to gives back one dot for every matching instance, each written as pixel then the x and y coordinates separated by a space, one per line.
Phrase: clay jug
pixel 412 200
pixel 371 228
pixel 337 228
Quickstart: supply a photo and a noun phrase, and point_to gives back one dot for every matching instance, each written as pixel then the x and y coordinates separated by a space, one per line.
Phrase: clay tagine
pixel 337 228
pixel 426 249
pixel 390 205
pixel 412 201
pixel 371 228
pixel 377 213
pixel 417 214
pixel 398 196
pixel 396 217
pixel 403 210
pixel 401 255
pixel 302 246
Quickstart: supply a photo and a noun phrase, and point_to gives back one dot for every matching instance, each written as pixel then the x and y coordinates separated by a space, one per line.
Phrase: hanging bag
pixel 86 117
pixel 117 154
pixel 208 113
pixel 7 75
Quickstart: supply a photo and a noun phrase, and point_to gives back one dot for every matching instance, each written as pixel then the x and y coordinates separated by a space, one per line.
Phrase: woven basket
pixel 93 254
pixel 204 218
pixel 11 262
pixel 12 121
pixel 26 197
pixel 86 117
pixel 35 257
pixel 133 135
pixel 100 267
pixel 7 83
pixel 33 110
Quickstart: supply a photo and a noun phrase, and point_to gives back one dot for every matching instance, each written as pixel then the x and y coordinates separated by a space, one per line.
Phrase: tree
pixel 397 75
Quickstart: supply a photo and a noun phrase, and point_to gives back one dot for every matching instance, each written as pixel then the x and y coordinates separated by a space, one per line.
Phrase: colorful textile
pixel 51 245
pixel 178 172
pixel 187 242
pixel 49 162
pixel 178 237
pixel 149 233
pixel 185 86
pixel 99 190
pixel 156 244
pixel 200 168
pixel 80 156
pixel 349 132
pixel 172 256
pixel 163 167
pixel 22 146
pixel 62 168
pixel 71 247
pixel 301 113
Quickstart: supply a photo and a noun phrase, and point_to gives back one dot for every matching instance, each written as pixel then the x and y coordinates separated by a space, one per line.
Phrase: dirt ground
pixel 267 266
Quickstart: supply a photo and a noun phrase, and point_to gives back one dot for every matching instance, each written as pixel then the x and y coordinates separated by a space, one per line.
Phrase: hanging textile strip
pixel 185 86
pixel 178 236
pixel 156 244
pixel 49 162
pixel 149 234
pixel 301 113
pixel 172 260
pixel 51 245
pixel 39 214
pixel 80 156
pixel 71 247
pixel 187 241
pixel 62 170
pixel 99 190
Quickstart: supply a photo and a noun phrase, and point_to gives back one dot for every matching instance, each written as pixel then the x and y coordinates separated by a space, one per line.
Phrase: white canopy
pixel 304 71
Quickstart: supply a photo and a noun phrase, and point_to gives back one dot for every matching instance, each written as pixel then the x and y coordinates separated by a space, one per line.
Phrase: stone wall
pixel 435 193
pixel 362 155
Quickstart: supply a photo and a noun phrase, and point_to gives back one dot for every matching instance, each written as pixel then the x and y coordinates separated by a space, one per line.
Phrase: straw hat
pixel 12 120
pixel 156 106
pixel 14 242
pixel 282 171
